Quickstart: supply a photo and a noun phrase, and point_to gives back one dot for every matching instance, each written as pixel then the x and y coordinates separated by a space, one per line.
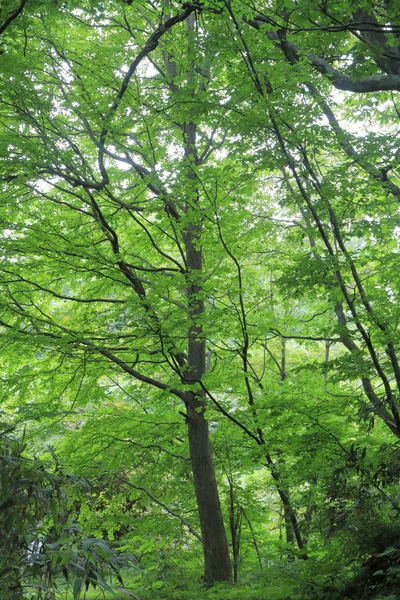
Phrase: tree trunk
pixel 215 545
pixel 216 551
pixel 235 523
pixel 290 537
pixel 289 512
pixel 293 533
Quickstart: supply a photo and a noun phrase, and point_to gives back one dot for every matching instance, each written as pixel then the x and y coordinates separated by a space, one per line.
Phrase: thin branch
pixel 307 337
pixel 61 296
pixel 151 44
pixel 145 446
pixel 152 497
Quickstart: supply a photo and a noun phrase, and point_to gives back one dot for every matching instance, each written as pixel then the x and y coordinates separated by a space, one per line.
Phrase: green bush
pixel 41 551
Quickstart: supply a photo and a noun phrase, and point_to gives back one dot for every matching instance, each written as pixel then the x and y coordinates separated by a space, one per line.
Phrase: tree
pixel 179 224
pixel 188 220
pixel 325 212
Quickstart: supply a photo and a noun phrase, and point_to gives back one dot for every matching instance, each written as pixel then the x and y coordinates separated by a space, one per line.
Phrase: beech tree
pixel 168 224
pixel 198 201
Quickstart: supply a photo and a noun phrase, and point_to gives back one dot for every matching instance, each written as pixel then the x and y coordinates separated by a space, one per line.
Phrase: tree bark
pixel 215 544
pixel 290 537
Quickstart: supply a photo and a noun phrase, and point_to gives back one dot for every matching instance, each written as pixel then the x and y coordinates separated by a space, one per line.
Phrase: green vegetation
pixel 199 299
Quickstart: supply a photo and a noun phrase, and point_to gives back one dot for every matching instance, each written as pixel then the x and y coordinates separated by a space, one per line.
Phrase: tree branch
pixel 341 81
pixel 144 446
pixel 152 497
pixel 13 15
pixel 151 44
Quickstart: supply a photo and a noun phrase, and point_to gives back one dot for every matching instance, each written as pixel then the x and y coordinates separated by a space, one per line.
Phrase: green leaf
pixel 77 587
pixel 54 511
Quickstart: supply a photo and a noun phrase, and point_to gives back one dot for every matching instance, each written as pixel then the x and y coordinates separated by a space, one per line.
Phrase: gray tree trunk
pixel 215 543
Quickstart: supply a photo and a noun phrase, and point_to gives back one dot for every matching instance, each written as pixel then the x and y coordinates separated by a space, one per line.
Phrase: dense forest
pixel 199 299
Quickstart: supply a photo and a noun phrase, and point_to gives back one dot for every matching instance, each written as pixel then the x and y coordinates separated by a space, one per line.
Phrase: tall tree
pixel 98 217
pixel 186 189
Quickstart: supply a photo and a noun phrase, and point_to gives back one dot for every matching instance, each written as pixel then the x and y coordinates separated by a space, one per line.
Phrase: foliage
pixel 199 287
pixel 39 543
